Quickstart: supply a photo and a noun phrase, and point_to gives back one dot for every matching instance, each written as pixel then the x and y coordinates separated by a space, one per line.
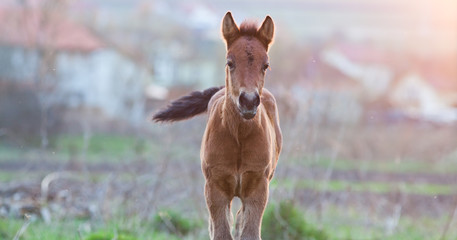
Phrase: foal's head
pixel 247 62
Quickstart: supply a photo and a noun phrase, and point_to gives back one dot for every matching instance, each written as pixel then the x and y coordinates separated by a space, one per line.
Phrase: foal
pixel 242 140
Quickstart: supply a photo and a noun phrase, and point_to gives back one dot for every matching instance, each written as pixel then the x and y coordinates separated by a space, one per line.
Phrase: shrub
pixel 172 222
pixel 5 233
pixel 286 222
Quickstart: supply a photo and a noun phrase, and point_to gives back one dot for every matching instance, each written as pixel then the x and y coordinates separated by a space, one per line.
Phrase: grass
pixel 39 230
pixel 350 223
pixel 173 222
pixel 8 153
pixel 443 166
pixel 286 221
pixel 112 148
pixel 364 186
pixel 7 176
pixel 100 148
pixel 71 229
pixel 338 222
pixel 118 148
pixel 332 223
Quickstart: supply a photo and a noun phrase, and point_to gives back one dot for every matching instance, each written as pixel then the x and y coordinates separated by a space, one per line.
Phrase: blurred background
pixel 367 94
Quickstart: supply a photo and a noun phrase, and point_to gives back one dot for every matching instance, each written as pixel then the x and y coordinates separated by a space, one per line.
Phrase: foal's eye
pixel 230 64
pixel 265 66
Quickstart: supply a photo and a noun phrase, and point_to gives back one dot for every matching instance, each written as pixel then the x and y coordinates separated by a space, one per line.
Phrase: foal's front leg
pixel 254 199
pixel 218 203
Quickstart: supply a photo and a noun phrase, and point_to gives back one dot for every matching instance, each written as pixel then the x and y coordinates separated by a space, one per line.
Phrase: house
pixel 70 65
pixel 419 99
pixel 421 92
pixel 362 64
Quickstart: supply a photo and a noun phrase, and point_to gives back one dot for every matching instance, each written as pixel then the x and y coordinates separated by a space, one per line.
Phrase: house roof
pixel 363 53
pixel 33 27
pixel 439 71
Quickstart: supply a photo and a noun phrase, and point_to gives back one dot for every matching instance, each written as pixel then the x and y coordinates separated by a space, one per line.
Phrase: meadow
pixel 149 185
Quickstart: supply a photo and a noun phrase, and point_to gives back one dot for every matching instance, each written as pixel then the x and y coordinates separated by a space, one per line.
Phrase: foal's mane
pixel 248 28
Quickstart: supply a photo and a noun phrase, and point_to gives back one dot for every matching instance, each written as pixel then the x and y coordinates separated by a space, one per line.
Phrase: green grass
pixel 333 222
pixel 446 165
pixel 106 147
pixel 124 229
pixel 38 230
pixel 375 187
pixel 118 148
pixel 173 222
pixel 101 148
pixel 286 221
pixel 353 224
pixel 8 153
pixel 7 176
pixel 338 222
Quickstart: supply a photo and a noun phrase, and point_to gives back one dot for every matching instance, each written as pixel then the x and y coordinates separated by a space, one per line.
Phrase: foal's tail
pixel 187 106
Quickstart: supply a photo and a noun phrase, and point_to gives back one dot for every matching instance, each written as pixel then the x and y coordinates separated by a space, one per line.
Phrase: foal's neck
pixel 238 127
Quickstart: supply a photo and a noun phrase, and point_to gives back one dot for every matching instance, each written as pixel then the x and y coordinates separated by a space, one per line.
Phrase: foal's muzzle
pixel 248 103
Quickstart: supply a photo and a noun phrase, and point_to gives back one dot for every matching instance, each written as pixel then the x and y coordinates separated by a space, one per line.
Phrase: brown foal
pixel 242 140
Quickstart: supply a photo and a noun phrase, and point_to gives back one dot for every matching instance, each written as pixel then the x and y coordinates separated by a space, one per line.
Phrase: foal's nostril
pixel 243 100
pixel 257 100
pixel 249 100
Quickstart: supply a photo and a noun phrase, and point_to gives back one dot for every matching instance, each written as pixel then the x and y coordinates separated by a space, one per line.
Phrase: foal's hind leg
pixel 254 199
pixel 218 203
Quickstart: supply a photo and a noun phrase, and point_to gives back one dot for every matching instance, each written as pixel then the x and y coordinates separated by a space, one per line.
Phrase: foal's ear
pixel 266 31
pixel 230 30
